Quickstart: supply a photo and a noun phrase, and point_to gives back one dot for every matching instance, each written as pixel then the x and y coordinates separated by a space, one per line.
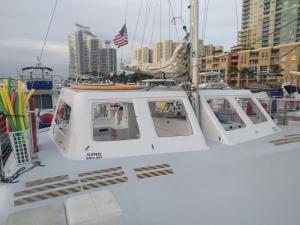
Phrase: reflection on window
pixel 43 101
pixel 226 114
pixel 252 110
pixel 114 121
pixel 62 118
pixel 170 119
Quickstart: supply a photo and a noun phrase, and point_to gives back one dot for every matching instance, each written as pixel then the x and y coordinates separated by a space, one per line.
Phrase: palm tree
pixel 276 70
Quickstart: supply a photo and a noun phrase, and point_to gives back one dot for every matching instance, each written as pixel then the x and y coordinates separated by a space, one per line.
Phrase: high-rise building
pixel 164 50
pixel 73 57
pixel 270 22
pixel 158 52
pixel 84 52
pixel 108 60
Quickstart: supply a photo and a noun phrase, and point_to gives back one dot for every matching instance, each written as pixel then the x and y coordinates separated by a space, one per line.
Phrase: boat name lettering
pixel 94 155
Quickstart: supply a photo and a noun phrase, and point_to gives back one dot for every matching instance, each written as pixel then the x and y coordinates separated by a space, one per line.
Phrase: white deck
pixel 250 183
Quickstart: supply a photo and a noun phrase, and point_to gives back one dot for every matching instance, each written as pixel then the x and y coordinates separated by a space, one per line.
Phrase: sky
pixel 24 24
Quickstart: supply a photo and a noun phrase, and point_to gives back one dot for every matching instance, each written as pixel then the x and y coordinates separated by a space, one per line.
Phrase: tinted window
pixel 226 114
pixel 114 121
pixel 170 118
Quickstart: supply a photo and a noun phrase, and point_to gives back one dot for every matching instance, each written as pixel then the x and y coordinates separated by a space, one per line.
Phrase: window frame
pixel 56 114
pixel 256 105
pixel 107 101
pixel 229 100
pixel 168 100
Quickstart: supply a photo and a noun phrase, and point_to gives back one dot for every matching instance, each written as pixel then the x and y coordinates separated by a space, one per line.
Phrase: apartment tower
pixel 270 22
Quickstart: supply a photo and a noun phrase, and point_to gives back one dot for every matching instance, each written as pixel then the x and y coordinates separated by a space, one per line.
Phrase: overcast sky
pixel 23 25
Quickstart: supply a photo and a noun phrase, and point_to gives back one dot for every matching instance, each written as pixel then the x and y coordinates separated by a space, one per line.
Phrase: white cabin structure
pixel 97 124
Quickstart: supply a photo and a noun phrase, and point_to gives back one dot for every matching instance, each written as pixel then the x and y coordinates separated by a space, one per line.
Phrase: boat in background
pixel 47 88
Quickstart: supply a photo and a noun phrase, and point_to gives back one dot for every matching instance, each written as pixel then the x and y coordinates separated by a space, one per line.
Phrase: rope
pixel 136 26
pixel 237 20
pixel 160 32
pixel 147 13
pixel 126 9
pixel 153 23
pixel 49 26
pixel 125 19
pixel 205 19
pixel 274 31
pixel 22 170
pixel 170 5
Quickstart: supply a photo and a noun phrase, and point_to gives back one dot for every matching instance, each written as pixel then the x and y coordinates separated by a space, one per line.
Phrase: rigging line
pixel 288 52
pixel 135 30
pixel 237 20
pixel 147 13
pixel 206 15
pixel 153 24
pixel 203 22
pixel 283 26
pixel 169 22
pixel 126 9
pixel 48 29
pixel 160 44
pixel 170 5
pixel 125 20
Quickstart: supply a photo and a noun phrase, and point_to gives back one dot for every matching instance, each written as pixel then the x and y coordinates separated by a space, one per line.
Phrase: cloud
pixel 24 25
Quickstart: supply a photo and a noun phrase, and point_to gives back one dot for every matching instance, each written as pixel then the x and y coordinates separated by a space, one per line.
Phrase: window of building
pixel 170 118
pixel 62 118
pixel 226 114
pixel 252 110
pixel 114 121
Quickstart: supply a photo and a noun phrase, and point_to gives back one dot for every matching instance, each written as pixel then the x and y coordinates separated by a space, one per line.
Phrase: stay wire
pixel 147 13
pixel 171 7
pixel 283 26
pixel 153 24
pixel 135 30
pixel 48 29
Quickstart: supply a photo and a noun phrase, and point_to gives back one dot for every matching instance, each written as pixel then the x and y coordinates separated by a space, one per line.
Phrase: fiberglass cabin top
pixel 122 176
pixel 93 124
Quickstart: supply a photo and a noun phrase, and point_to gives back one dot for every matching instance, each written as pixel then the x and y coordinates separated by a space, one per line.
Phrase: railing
pixel 284 111
pixel 5 146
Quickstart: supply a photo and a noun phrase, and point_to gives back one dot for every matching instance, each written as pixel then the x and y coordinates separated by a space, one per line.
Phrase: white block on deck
pixel 46 215
pixel 98 208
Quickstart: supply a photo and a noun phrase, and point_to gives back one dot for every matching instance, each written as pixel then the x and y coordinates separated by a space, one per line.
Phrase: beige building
pixel 264 22
pixel 163 51
pixel 243 66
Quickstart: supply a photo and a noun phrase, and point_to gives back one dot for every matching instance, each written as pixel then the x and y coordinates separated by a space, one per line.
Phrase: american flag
pixel 121 38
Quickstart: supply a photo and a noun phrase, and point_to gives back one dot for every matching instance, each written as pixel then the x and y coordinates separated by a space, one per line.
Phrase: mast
pixel 194 20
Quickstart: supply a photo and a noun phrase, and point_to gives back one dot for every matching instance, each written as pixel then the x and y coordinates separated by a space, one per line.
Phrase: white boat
pixel 147 148
pixel 141 157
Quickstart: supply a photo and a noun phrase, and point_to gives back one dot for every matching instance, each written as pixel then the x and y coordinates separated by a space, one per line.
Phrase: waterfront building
pixel 242 66
pixel 83 52
pixel 270 23
pixel 108 60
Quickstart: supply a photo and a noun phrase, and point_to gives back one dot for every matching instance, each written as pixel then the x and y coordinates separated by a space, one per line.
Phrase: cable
pixel 126 9
pixel 288 52
pixel 136 26
pixel 22 170
pixel 237 20
pixel 147 13
pixel 274 31
pixel 170 5
pixel 153 23
pixel 205 19
pixel 49 26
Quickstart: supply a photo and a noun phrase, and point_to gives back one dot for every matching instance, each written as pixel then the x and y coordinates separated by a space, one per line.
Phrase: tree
pixel 233 70
pixel 246 73
pixel 276 70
